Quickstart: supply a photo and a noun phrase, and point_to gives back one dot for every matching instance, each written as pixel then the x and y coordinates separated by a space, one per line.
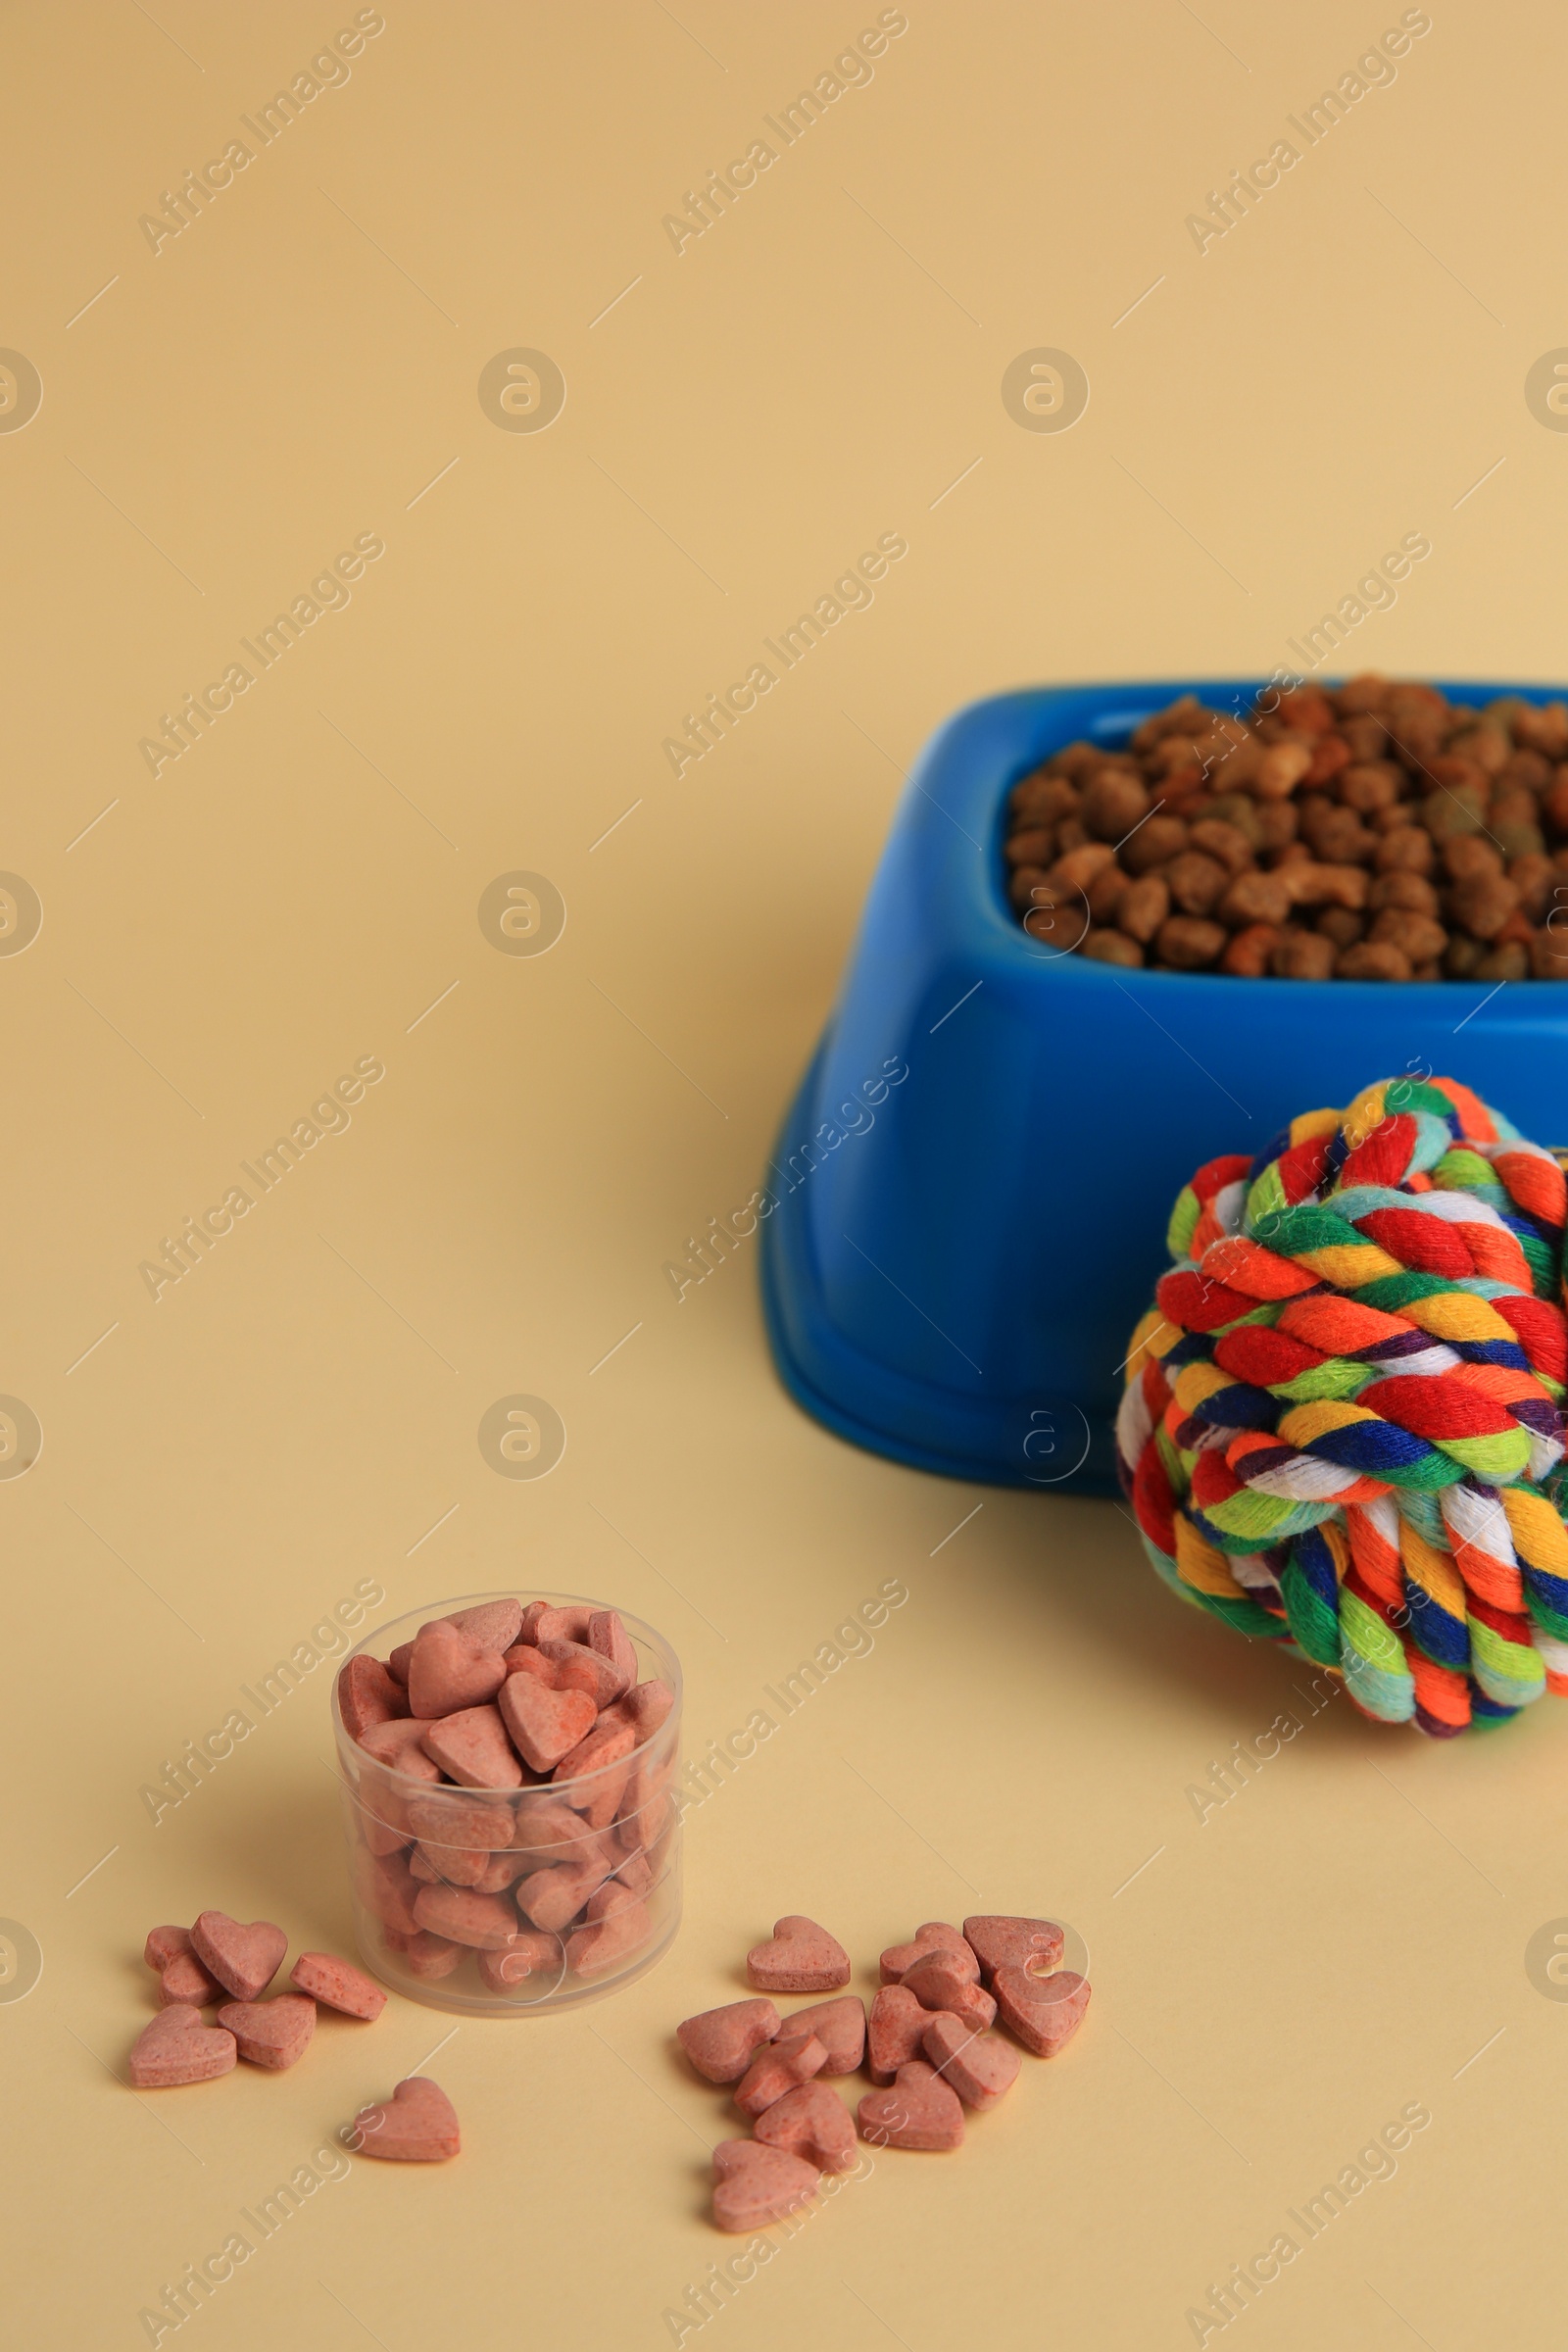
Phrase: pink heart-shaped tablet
pixel 981 2067
pixel 939 1982
pixel 551 1898
pixel 754 2185
pixel 720 2042
pixel 185 1979
pixel 366 1694
pixel 450 1670
pixel 493 1623
pixel 812 2122
pixel 176 2048
pixel 936 1935
pixel 452 1816
pixel 542 1623
pixel 839 2024
pixel 614 1937
pixel 244 1960
pixel 339 1985
pixel 647 1706
pixel 272 2034
pixel 432 1957
pixel 165 1944
pixel 417 2124
pixel 471 1748
pixel 779 2066
pixel 462 1914
pixel 579 1668
pixel 895 2032
pixel 918 2111
pixel 800 1958
pixel 1000 1940
pixel 528 1959
pixel 550 1829
pixel 400 1747
pixel 609 1638
pixel 594 1773
pixel 386 1887
pixel 1045 2012
pixel 545 1725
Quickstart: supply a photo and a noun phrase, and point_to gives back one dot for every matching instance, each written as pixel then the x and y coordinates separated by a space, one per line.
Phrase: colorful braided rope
pixel 1343 1423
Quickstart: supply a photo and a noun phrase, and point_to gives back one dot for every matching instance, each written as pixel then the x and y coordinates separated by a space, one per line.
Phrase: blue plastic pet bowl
pixel 970 1193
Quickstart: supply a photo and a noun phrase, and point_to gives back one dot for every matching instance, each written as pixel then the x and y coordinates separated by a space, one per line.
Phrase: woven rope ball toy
pixel 1343 1423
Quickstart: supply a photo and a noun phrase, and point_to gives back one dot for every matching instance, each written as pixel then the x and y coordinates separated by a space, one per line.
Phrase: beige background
pixel 299 366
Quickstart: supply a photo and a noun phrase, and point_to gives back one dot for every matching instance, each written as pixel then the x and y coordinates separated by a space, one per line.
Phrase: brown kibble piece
pixel 1417 936
pixel 1303 955
pixel 1161 837
pixel 1113 947
pixel 1484 903
pixel 1195 882
pixel 1142 908
pixel 1407 849
pixel 1255 898
pixel 1114 800
pixel 1247 955
pixel 1189 943
pixel 1372 960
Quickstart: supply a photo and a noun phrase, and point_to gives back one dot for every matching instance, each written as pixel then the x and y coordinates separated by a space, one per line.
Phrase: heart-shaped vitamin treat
pixel 999 1941
pixel 720 2042
pixel 176 2048
pixel 431 1957
pixel 334 1982
pixel 800 1958
pixel 449 1671
pixel 366 1694
pixel 270 2033
pixel 545 1725
pixel 550 1899
pixel 528 1959
pixel 754 2185
pixel 779 2066
pixel 400 1745
pixel 981 2067
pixel 579 1668
pixel 918 2111
pixel 591 1765
pixel 493 1623
pixel 471 1748
pixel 185 1979
pixel 385 1886
pixel 1045 2012
pixel 812 2122
pixel 397 1664
pixel 615 1935
pixel 244 1960
pixel 487 1921
pixel 542 1623
pixel 646 1705
pixel 165 1944
pixel 839 2026
pixel 938 1982
pixel 896 2032
pixel 609 1638
pixel 416 2124
pixel 935 1937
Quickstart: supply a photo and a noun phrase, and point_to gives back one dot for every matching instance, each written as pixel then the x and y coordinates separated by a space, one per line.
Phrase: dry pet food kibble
pixel 928 2045
pixel 1369 831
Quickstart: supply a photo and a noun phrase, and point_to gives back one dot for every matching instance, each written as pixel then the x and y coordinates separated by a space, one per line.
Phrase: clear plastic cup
pixel 614 1834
